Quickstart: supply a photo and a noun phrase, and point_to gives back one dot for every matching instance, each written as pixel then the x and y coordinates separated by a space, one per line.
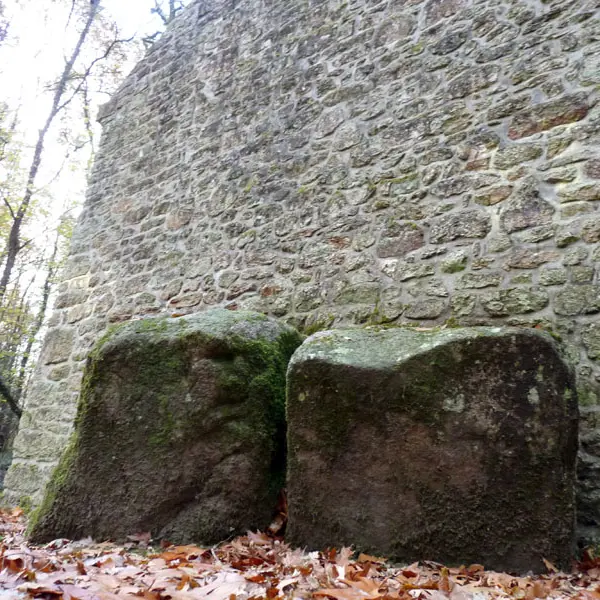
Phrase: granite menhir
pixel 455 445
pixel 180 432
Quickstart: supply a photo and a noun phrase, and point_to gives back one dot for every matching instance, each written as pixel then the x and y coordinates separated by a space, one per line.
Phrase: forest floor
pixel 253 567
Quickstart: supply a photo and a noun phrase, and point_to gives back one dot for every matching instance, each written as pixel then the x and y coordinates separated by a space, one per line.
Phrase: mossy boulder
pixel 180 432
pixel 456 445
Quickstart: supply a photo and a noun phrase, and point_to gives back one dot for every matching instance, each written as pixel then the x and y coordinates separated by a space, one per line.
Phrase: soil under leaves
pixel 252 567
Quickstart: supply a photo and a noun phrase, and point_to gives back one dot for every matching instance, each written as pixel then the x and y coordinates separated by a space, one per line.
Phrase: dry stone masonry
pixel 336 162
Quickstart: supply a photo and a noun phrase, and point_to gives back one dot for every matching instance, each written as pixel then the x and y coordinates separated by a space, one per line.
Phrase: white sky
pixel 41 40
pixel 34 56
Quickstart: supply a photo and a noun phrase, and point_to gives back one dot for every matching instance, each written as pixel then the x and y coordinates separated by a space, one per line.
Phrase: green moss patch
pixel 180 431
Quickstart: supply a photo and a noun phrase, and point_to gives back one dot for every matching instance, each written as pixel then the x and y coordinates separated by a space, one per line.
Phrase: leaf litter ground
pixel 252 567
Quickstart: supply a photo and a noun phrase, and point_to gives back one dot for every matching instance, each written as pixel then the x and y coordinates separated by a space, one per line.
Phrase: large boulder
pixel 456 445
pixel 180 432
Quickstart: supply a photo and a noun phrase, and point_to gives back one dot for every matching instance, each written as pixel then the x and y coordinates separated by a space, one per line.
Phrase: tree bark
pixel 39 319
pixel 14 239
pixel 6 393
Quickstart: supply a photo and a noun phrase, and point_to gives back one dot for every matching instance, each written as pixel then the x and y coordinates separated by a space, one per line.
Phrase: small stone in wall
pixel 463 224
pixel 479 280
pixel 574 300
pixel 359 293
pixel 473 80
pixel 58 346
pixel 568 234
pixel 575 256
pixel 71 297
pixel 590 334
pixel 592 168
pixel 450 41
pixel 590 74
pixel 499 243
pixel 400 239
pixel 430 308
pixel 582 274
pixel 436 287
pixel 435 10
pixel 580 193
pixel 455 262
pixel 330 121
pixel 553 276
pixel 530 258
pixel 460 184
pixel 462 304
pixel 514 301
pixel 308 297
pixel 590 230
pixel 525 209
pixel 517 154
pixel 547 115
pixel 405 270
pixel 493 195
pixel 558 145
pixel 574 209
pixel 535 235
pixel 521 278
pixel 508 107
pixel 561 175
pixel 346 136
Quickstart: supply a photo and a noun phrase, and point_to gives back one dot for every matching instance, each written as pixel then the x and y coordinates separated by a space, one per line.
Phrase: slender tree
pixel 10 398
pixel 62 236
pixel 28 268
pixel 59 103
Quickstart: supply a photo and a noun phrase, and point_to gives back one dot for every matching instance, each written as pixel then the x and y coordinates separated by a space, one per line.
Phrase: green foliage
pixel 320 323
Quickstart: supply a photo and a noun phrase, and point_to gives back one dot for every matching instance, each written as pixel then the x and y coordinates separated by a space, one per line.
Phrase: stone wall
pixel 343 162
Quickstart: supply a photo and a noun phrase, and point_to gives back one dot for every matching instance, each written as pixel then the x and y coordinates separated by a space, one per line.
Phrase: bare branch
pixel 70 13
pixel 12 214
pixel 87 118
pixel 72 150
pixel 159 11
pixel 25 244
pixel 150 39
pixel 87 72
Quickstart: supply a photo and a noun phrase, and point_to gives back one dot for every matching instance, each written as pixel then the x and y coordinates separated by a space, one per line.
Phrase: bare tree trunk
pixel 6 393
pixel 39 319
pixel 14 245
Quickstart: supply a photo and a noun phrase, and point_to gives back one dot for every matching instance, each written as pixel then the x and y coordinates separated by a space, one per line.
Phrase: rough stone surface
pixel 591 340
pixel 180 432
pixel 454 445
pixel 322 161
pixel 526 210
